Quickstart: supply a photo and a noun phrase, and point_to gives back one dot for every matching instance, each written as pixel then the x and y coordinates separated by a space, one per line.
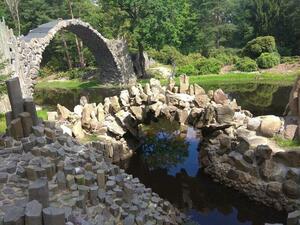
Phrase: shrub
pixel 189 70
pixel 208 66
pixel 226 55
pixel 166 55
pixel 268 60
pixel 246 64
pixel 259 45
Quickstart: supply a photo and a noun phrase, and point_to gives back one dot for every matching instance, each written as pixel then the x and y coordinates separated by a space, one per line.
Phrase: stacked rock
pixel 23 116
pixel 48 178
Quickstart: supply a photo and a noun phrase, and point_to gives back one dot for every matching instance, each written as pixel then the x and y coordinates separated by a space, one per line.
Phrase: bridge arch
pixel 111 55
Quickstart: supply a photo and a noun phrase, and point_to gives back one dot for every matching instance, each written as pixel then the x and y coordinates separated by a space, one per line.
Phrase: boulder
pixel 293 218
pixel 66 130
pixel 262 153
pixel 63 112
pixel 83 101
pixel 113 126
pixel 290 132
pixel 77 130
pixel 52 116
pixel 171 84
pixel 182 116
pixel 154 83
pixel 239 163
pixel 198 90
pixel 128 121
pixel 137 111
pixel 254 123
pixel 270 125
pixel 100 113
pixel 290 158
pixel 220 97
pixel 107 105
pixel 224 114
pixel 184 84
pixel 156 108
pixel 291 189
pixel 274 189
pixel 271 171
pixel 115 104
pixel 78 110
pixel 124 98
pixel 87 111
pixel 202 100
pixel 134 91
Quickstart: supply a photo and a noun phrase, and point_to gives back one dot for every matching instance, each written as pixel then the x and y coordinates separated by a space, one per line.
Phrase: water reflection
pixel 182 181
pixel 260 99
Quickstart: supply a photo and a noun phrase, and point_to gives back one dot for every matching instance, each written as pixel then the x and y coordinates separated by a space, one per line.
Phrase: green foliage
pixel 259 45
pixel 284 143
pixel 208 66
pixel 246 64
pixel 268 60
pixel 2 123
pixel 188 70
pixel 227 56
pixel 290 59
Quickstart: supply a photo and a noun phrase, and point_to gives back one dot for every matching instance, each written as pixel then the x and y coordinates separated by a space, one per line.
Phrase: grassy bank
pixel 238 78
pixel 72 84
pixel 207 81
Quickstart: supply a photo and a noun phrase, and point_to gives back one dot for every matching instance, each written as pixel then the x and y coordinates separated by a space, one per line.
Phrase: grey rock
pixel 53 216
pixel 33 213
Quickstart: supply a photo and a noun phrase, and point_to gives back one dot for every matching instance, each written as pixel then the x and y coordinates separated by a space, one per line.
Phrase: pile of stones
pixel 49 178
pixel 238 149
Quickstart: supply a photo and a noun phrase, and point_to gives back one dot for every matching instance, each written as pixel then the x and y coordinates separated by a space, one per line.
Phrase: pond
pixel 260 99
pixel 168 163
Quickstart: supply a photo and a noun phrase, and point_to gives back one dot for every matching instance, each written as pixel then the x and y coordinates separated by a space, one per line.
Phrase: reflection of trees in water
pixel 164 150
pixel 70 98
pixel 261 97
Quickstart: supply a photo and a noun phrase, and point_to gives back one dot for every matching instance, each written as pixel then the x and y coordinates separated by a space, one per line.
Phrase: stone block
pixel 29 106
pixel 38 190
pixel 15 96
pixel 53 216
pixel 27 123
pixel 33 213
pixel 14 216
pixel 16 129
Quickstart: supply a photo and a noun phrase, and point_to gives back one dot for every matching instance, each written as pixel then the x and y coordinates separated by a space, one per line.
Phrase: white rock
pixel 66 130
pixel 254 123
pixel 78 110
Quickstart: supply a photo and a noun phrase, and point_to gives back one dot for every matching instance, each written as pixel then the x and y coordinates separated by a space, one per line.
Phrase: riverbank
pixel 207 81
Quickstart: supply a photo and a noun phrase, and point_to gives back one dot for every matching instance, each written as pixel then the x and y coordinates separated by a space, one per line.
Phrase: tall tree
pixel 148 23
pixel 13 6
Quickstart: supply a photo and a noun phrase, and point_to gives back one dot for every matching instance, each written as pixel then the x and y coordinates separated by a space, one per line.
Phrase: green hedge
pixel 188 70
pixel 259 45
pixel 246 64
pixel 268 60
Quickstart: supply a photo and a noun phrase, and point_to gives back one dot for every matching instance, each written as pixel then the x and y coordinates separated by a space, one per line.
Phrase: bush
pixel 208 66
pixel 167 55
pixel 259 45
pixel 246 64
pixel 189 70
pixel 268 60
pixel 227 56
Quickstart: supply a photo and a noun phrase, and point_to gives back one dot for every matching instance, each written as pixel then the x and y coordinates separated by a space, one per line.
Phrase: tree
pixel 148 23
pixel 13 6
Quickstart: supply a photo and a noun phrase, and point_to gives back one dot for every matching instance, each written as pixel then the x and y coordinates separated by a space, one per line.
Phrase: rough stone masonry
pixel 47 177
pixel 23 55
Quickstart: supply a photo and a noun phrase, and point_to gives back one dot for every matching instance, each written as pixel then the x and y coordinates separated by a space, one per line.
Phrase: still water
pixel 260 99
pixel 168 163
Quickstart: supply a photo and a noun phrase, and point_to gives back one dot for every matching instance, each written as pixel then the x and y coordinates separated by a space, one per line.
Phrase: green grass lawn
pixel 207 81
pixel 71 84
pixel 238 78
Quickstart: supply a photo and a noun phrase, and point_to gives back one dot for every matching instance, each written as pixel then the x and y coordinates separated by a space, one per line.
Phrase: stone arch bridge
pixel 24 54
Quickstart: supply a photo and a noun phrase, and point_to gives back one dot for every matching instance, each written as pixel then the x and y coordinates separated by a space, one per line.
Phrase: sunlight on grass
pixel 284 143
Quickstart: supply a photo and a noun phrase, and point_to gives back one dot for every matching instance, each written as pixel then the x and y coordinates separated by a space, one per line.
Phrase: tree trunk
pixel 79 49
pixel 142 60
pixel 67 51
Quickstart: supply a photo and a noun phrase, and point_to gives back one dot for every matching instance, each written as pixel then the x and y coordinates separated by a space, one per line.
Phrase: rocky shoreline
pixel 238 148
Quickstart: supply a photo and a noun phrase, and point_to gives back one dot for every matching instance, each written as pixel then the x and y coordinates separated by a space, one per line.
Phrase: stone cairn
pixel 48 178
pixel 237 150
